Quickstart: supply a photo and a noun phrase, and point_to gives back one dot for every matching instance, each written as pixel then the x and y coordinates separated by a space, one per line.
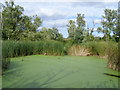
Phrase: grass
pixel 96 48
pixel 113 56
pixel 89 48
pixel 22 48
pixel 78 50
pixel 38 71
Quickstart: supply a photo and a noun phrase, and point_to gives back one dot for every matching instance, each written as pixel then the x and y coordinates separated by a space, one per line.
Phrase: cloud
pixel 95 4
pixel 63 0
pixel 60 23
pixel 57 14
pixel 56 23
pixel 63 10
pixel 97 21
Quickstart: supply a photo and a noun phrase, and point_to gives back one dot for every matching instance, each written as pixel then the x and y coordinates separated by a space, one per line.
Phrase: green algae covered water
pixel 38 71
pixel 0 82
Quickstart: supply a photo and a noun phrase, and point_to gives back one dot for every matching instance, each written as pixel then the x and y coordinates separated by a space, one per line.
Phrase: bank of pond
pixel 108 50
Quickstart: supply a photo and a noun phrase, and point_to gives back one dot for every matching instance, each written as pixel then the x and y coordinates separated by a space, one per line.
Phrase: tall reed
pixel 22 48
pixel 96 48
pixel 113 56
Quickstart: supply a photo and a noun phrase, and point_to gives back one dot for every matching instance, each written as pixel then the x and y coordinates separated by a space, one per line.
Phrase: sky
pixel 57 13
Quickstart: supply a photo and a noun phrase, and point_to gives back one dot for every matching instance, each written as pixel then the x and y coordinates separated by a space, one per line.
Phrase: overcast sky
pixel 57 14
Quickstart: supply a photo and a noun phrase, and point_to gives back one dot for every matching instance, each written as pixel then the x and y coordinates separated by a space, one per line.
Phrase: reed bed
pixel 14 49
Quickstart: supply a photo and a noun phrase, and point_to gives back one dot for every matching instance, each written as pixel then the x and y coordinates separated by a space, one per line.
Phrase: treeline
pixel 109 24
pixel 19 31
pixel 17 26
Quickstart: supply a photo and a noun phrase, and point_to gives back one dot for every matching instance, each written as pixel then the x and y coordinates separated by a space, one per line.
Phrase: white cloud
pixel 68 0
pixel 47 12
pixel 64 10
pixel 97 21
pixel 105 1
pixel 57 23
pixel 63 0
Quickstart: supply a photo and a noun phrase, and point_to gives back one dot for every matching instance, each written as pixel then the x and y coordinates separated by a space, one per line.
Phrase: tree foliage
pixel 15 22
pixel 109 24
pixel 76 29
pixel 17 26
pixel 50 34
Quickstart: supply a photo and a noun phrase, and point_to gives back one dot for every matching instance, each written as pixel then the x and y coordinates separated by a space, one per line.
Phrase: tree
pixel 55 35
pixel 37 22
pixel 99 29
pixel 11 16
pixel 109 23
pixel 76 31
pixel 88 35
pixel 80 20
pixel 71 29
pixel 117 30
pixel 80 28
pixel 15 22
pixel 50 34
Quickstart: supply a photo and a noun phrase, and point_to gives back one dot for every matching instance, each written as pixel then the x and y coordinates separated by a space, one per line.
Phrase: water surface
pixel 38 71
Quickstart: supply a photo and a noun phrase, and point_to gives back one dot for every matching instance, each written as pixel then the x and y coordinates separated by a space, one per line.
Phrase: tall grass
pixel 14 49
pixel 89 48
pixel 109 50
pixel 97 48
pixel 22 48
pixel 78 50
pixel 6 55
pixel 113 56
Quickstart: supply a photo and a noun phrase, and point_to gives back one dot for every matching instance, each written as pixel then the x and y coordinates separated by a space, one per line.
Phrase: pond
pixel 39 71
pixel 0 82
